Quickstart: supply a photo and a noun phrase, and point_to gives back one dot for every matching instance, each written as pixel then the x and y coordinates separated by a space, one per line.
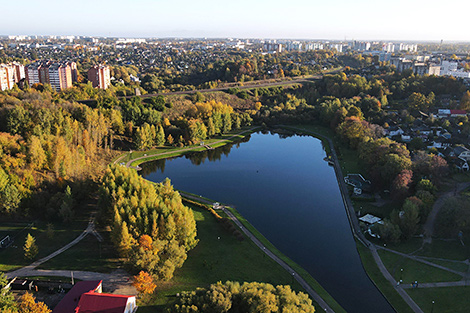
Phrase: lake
pixel 288 192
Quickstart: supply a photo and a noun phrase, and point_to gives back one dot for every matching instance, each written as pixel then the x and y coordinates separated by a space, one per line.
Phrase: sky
pixel 413 20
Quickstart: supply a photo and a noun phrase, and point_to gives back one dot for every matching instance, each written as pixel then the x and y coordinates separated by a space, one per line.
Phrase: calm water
pixel 286 190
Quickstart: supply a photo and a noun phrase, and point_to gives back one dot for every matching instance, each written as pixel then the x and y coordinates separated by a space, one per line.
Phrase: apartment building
pixel 99 76
pixel 10 74
pixel 59 75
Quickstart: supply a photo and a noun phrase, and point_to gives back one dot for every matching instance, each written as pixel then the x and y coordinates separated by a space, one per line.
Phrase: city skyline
pixel 297 19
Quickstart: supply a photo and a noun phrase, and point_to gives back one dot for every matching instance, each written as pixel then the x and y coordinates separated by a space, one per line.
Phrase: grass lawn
pixel 384 286
pixel 414 270
pixel 13 257
pixel 446 249
pixel 219 256
pixel 446 299
pixel 87 255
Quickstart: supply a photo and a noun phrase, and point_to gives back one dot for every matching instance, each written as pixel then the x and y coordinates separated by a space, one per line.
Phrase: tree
pixel 248 298
pixel 7 300
pixel 409 219
pixel 144 283
pixel 36 155
pixel 401 184
pixel 66 208
pixel 30 248
pixel 28 304
pixel 465 101
pixel 160 139
pixel 417 101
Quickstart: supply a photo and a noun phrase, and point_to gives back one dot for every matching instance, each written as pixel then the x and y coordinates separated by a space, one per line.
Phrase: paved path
pixel 429 225
pixel 268 252
pixel 128 164
pixel 460 283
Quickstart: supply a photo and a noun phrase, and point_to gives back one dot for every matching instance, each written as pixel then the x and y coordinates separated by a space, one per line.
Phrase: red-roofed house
pixel 86 297
pixel 92 302
pixel 456 113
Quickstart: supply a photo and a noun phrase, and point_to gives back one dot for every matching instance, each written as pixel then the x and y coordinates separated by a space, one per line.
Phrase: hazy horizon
pixel 401 20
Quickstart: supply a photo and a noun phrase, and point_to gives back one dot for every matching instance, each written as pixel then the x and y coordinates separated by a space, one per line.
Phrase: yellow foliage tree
pixel 29 305
pixel 144 283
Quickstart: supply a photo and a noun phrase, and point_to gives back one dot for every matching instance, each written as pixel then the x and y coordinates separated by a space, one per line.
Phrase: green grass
pixel 87 255
pixel 219 256
pixel 452 250
pixel 305 275
pixel 414 270
pixel 369 208
pixel 456 266
pixel 446 299
pixel 379 280
pixel 13 257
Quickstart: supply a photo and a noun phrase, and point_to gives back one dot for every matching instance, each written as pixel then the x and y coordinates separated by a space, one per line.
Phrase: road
pixel 268 252
pixel 246 86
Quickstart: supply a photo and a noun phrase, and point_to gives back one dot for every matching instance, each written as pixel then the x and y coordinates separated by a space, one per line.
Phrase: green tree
pixel 160 139
pixel 465 101
pixel 30 248
pixel 7 300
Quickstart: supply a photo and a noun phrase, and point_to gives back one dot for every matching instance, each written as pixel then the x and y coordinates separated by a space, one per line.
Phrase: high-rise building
pixel 6 77
pixel 99 76
pixel 60 76
pixel 9 75
pixel 32 73
pixel 74 70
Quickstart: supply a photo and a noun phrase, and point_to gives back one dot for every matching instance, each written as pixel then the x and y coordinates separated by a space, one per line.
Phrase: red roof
pixel 71 299
pixel 102 303
pixel 458 112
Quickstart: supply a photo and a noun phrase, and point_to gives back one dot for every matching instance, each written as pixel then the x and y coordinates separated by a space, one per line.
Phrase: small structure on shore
pixel 216 206
pixel 359 183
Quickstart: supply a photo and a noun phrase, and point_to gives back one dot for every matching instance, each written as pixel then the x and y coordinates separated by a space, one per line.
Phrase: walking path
pixel 268 252
pixel 208 147
pixel 429 225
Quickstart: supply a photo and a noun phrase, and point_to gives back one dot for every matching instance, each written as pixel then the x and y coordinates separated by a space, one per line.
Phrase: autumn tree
pixel 7 300
pixel 30 248
pixel 247 297
pixel 151 227
pixel 27 304
pixel 465 101
pixel 144 283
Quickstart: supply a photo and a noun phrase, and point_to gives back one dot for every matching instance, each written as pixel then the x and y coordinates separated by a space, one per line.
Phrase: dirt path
pixel 429 225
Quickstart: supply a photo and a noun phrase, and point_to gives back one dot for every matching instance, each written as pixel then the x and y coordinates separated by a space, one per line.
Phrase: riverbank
pixel 135 158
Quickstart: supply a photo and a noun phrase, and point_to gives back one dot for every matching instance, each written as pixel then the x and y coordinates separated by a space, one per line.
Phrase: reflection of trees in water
pixel 153 166
pixel 196 158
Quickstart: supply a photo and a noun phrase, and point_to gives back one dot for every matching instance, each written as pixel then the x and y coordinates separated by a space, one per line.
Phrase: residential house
pixel 87 297
pixel 461 164
pixel 458 152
